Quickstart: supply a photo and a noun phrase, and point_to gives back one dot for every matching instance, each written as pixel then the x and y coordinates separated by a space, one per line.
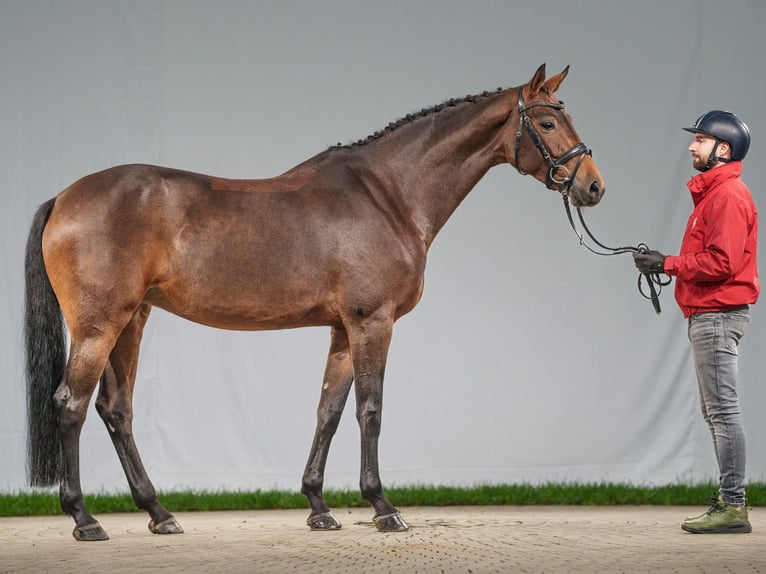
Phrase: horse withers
pixel 340 241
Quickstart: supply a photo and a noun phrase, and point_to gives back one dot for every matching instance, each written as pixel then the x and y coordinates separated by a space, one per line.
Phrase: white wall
pixel 528 358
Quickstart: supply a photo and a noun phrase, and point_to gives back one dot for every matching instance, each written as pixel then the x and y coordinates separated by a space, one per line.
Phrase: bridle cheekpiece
pixel 564 183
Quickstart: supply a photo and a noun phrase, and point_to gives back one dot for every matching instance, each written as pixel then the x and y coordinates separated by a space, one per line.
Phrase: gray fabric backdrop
pixel 528 358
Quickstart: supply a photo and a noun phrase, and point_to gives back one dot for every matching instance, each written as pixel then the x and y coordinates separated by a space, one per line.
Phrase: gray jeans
pixel 715 338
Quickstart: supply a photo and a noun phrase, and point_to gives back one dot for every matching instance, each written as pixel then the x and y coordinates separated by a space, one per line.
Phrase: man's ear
pixel 724 149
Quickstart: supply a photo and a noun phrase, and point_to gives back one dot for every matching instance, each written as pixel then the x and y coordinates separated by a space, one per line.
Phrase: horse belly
pixel 235 304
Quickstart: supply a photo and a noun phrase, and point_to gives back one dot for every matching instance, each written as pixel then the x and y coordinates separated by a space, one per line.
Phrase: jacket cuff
pixel 669 265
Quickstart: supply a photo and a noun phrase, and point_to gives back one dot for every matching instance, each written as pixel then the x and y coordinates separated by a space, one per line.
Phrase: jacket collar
pixel 703 183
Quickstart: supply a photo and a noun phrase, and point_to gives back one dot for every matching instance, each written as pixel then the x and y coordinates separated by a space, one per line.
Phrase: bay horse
pixel 339 240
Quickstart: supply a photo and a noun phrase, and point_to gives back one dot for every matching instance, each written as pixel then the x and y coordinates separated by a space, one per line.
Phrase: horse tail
pixel 45 346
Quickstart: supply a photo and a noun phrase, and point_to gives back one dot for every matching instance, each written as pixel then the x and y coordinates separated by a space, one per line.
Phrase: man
pixel 716 281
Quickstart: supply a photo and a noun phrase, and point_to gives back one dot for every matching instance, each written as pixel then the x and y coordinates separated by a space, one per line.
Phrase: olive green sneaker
pixel 720 519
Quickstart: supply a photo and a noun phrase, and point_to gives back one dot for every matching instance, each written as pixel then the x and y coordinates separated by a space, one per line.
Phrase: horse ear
pixel 553 83
pixel 536 82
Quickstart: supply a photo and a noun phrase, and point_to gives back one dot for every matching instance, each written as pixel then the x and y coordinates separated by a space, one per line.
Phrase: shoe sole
pixel 734 529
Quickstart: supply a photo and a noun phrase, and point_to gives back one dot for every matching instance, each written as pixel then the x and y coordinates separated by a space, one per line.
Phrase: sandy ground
pixel 453 539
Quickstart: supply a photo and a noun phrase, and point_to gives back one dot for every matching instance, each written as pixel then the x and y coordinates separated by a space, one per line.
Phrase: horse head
pixel 545 145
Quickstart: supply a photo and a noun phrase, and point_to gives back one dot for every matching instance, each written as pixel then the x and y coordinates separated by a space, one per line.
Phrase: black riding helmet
pixel 723 126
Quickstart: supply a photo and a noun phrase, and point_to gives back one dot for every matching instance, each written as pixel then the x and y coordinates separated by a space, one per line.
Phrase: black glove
pixel 650 262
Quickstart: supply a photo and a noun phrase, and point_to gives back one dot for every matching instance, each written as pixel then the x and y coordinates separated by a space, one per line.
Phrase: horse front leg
pixel 369 349
pixel 115 406
pixel 338 376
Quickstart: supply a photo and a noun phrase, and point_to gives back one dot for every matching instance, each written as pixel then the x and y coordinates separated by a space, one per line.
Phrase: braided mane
pixel 409 118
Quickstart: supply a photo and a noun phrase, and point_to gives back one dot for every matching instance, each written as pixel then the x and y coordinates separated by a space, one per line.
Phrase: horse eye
pixel 547 125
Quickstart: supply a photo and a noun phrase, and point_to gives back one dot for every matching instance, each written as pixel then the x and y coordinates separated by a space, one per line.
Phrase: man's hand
pixel 650 262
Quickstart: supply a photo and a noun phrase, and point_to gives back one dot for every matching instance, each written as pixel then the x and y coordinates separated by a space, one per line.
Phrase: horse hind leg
pixel 115 406
pixel 86 363
pixel 338 376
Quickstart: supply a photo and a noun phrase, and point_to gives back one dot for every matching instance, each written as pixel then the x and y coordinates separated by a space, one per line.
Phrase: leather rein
pixel 563 185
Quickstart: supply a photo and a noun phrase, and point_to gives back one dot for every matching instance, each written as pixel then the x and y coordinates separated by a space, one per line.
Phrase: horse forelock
pixel 412 117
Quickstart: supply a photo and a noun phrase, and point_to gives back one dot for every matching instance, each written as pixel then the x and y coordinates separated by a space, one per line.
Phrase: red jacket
pixel 716 268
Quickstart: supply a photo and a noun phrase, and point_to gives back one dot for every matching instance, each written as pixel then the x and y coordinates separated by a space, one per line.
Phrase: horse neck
pixel 440 158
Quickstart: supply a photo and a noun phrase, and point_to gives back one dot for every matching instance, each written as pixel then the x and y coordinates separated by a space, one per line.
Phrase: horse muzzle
pixel 585 187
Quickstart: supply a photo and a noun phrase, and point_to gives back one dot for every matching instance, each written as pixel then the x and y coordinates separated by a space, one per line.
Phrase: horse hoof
pixel 89 533
pixel 323 521
pixel 391 523
pixel 167 526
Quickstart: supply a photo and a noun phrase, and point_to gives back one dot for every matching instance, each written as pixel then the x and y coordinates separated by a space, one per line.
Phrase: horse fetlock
pixel 73 505
pixel 68 496
pixel 372 491
pixel 311 483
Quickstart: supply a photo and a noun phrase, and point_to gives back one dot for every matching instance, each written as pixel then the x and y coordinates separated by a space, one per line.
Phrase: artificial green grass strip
pixel 47 503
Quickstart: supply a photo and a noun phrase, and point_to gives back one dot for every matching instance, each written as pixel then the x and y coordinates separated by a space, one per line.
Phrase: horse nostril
pixel 595 190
